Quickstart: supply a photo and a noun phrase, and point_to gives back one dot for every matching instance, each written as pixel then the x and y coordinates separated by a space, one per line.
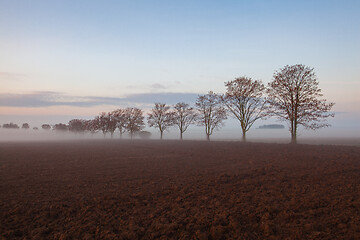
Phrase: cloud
pixel 168 98
pixel 9 76
pixel 158 86
pixel 146 87
pixel 37 99
pixel 46 99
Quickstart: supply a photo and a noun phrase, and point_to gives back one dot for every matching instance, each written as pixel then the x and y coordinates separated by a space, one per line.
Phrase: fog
pixel 322 136
pixel 345 129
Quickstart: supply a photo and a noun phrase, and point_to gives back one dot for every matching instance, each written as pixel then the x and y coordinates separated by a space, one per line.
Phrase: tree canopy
pixel 294 96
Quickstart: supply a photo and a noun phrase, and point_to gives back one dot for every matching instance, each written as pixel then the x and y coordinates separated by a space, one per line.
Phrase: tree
pixel 244 98
pixel 120 118
pixel 106 123
pixel 46 126
pixel 11 126
pixel 134 120
pixel 161 117
pixel 211 112
pixel 144 134
pixel 102 122
pixel 77 125
pixel 60 127
pixel 111 123
pixel 184 116
pixel 294 96
pixel 25 126
pixel 92 125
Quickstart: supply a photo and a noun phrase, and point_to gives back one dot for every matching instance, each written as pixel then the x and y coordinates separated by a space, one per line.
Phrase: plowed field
pixel 178 190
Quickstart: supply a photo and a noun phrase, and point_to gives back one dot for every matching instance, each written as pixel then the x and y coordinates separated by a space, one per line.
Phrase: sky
pixel 60 59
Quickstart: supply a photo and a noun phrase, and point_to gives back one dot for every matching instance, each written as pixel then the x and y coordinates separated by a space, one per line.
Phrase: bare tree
pixel 211 112
pixel 161 117
pixel 294 97
pixel 244 98
pixel 102 122
pixel 144 134
pixel 60 127
pixel 184 116
pixel 77 125
pixel 134 120
pixel 92 125
pixel 120 118
pixel 46 126
pixel 11 125
pixel 111 123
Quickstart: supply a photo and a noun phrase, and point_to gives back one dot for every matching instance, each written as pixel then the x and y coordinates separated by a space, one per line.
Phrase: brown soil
pixel 178 190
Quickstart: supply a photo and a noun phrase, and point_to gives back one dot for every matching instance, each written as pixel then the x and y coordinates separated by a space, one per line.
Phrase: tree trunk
pixel 208 137
pixel 293 138
pixel 293 132
pixel 161 135
pixel 244 136
pixel 181 135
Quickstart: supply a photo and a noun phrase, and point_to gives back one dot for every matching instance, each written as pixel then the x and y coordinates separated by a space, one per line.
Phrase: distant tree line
pixel 272 126
pixel 292 96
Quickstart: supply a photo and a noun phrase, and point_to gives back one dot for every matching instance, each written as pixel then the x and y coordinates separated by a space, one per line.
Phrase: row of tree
pixel 25 126
pixel 292 96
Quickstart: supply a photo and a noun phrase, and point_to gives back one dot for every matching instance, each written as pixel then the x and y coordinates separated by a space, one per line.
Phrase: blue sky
pixel 76 51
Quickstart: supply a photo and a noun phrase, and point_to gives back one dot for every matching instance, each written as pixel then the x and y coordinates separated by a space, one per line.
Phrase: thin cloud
pixel 146 87
pixel 10 76
pixel 47 99
pixel 158 86
pixel 168 98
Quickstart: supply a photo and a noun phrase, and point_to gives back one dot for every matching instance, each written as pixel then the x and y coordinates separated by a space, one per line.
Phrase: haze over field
pixel 63 60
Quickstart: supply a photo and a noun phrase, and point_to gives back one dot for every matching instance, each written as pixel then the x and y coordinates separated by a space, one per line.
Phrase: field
pixel 178 190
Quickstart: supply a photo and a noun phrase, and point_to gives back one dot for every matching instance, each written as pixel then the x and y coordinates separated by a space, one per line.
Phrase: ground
pixel 178 190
